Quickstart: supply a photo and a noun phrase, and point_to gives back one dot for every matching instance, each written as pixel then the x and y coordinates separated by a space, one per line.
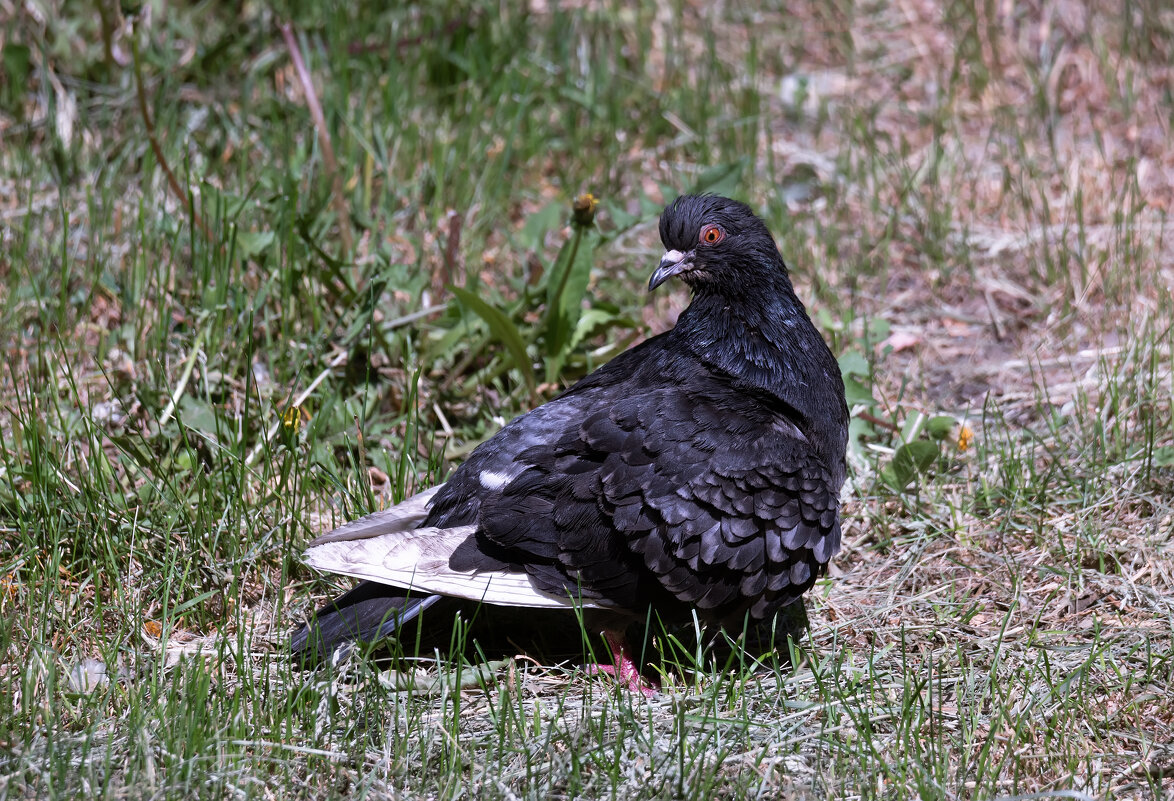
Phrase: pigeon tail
pixel 368 613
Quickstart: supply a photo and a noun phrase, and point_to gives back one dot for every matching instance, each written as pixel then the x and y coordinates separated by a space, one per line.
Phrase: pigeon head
pixel 714 241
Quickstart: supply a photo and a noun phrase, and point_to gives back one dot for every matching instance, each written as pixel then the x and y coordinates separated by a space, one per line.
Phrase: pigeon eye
pixel 712 234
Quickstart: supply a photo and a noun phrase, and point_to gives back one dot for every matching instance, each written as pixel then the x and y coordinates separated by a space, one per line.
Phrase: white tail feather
pixel 418 560
pixel 404 516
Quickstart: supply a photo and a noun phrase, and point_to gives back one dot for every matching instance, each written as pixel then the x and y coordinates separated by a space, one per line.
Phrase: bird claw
pixel 625 670
pixel 632 679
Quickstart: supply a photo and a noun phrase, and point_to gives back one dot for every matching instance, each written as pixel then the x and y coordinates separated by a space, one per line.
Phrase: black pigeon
pixel 699 471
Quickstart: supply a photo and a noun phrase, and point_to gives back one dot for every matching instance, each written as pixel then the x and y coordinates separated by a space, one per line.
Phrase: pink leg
pixel 625 670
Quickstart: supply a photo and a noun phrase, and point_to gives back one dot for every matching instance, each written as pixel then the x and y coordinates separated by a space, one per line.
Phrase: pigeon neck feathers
pixel 765 341
pixel 746 321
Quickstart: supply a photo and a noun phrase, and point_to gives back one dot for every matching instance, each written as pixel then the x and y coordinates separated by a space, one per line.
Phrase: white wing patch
pixel 493 481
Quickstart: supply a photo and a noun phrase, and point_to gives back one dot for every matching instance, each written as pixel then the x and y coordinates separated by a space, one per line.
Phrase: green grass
pixel 975 208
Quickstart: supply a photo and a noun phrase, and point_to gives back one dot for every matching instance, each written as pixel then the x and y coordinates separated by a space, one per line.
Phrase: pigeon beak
pixel 672 263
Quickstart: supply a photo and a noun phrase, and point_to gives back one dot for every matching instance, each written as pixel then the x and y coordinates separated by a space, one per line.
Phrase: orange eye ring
pixel 711 235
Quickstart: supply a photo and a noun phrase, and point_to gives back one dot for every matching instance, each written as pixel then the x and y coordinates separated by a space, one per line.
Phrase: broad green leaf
pixel 879 330
pixel 539 223
pixel 594 319
pixel 16 60
pixel 721 179
pixel 941 426
pixel 621 220
pixel 914 423
pixel 502 329
pixel 852 362
pixel 251 244
pixel 857 393
pixel 198 415
pixel 363 312
pixel 444 340
pixel 1163 456
pixel 649 208
pixel 176 611
pixel 859 428
pixel 908 463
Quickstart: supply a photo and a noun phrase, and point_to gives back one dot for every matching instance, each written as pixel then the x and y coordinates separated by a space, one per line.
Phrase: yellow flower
pixel 293 417
pixel 965 438
pixel 583 209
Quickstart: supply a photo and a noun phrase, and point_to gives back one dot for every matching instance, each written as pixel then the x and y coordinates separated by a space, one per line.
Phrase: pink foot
pixel 625 670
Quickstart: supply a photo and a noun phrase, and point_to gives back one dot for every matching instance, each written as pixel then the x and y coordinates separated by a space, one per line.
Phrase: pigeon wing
pixel 705 496
pixel 386 547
